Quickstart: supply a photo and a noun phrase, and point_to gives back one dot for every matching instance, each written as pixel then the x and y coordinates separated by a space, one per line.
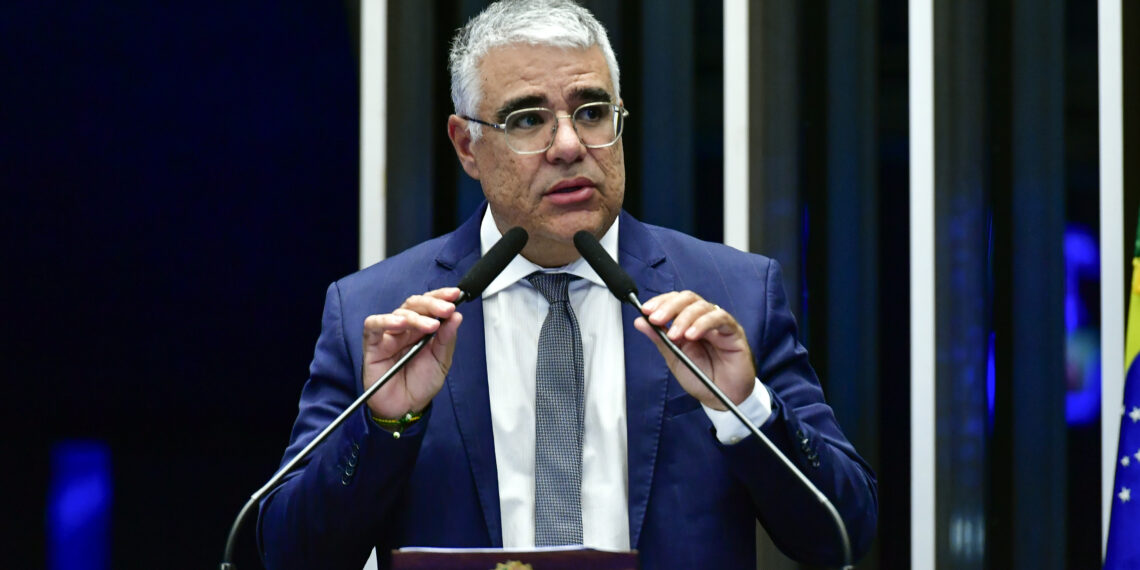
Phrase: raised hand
pixel 389 336
pixel 710 337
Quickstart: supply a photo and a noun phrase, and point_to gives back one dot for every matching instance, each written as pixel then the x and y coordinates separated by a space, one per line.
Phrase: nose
pixel 567 146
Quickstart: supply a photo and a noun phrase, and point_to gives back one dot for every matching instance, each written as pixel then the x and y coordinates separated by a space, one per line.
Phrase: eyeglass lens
pixel 530 130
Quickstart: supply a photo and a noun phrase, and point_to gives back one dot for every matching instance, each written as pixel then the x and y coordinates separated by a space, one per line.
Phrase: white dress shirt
pixel 513 314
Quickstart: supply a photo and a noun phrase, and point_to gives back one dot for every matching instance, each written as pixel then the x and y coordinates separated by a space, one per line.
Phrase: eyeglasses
pixel 531 131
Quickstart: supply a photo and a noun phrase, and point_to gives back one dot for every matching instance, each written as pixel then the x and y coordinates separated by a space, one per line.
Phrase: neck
pixel 550 254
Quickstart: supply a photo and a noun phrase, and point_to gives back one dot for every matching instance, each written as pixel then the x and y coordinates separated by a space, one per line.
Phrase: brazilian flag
pixel 1123 549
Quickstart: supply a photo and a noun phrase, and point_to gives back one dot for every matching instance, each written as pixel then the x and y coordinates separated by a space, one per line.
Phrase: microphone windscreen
pixel 619 282
pixel 492 264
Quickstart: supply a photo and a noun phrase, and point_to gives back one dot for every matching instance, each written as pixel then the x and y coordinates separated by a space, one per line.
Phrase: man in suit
pixel 456 449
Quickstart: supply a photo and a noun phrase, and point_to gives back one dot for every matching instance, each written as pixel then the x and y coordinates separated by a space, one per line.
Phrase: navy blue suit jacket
pixel 692 501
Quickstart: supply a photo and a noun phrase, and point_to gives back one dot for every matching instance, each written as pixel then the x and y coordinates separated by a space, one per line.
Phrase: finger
pixel 430 305
pixel 449 329
pixel 418 322
pixel 450 294
pixel 443 345
pixel 651 305
pixel 376 325
pixel 688 316
pixel 681 309
pixel 712 320
pixel 664 307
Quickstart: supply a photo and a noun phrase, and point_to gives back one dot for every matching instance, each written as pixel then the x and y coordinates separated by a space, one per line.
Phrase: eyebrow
pixel 583 95
pixel 591 95
pixel 517 103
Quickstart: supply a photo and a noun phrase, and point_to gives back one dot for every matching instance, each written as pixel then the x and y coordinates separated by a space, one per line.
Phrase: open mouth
pixel 571 186
pixel 567 189
pixel 570 193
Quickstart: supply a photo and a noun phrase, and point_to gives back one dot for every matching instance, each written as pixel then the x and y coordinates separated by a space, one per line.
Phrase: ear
pixel 461 140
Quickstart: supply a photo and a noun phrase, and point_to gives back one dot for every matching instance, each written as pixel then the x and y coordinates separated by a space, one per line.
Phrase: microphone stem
pixel 716 391
pixel 231 540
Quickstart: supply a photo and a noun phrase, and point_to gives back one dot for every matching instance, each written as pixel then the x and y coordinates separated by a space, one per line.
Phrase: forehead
pixel 552 74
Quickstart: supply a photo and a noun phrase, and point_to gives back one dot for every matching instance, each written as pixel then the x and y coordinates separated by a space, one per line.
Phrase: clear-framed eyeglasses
pixel 531 131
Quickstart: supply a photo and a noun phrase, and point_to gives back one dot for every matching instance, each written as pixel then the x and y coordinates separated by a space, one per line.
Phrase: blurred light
pixel 79 506
pixel 1082 337
pixel 991 378
pixel 1082 262
pixel 968 537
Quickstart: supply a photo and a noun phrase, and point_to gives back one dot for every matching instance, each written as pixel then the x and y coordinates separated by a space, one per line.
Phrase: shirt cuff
pixel 756 407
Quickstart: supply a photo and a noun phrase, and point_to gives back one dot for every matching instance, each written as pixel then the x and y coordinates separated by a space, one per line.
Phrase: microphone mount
pixel 632 299
pixel 471 287
pixel 623 287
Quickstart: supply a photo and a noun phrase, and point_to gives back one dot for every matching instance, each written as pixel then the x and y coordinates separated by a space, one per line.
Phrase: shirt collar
pixel 520 267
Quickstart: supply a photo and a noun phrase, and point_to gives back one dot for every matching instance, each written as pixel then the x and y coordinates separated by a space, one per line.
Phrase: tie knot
pixel 554 287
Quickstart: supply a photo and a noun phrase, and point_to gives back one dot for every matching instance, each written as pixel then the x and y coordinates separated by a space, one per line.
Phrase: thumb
pixel 443 345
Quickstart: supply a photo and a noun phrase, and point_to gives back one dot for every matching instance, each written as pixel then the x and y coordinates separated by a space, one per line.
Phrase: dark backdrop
pixel 180 186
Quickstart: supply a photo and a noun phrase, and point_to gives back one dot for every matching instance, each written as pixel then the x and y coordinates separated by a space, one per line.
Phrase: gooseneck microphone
pixel 622 286
pixel 491 265
pixel 471 286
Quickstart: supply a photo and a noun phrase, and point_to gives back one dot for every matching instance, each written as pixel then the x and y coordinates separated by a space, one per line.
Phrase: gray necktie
pixel 559 395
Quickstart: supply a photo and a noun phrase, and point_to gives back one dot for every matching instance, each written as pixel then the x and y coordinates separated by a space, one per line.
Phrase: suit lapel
pixel 646 375
pixel 467 379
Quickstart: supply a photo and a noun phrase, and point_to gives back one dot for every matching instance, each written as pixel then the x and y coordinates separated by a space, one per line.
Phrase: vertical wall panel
pixel 852 224
pixel 1112 239
pixel 923 317
pixel 666 122
pixel 373 134
pixel 961 242
pixel 1038 286
pixel 774 204
pixel 414 126
pixel 1027 449
pixel 851 280
pixel 894 334
pixel 736 123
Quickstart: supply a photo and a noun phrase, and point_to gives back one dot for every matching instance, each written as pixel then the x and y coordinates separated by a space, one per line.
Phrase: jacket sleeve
pixel 332 509
pixel 804 428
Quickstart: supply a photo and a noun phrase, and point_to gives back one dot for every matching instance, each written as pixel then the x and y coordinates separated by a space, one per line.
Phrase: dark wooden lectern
pixel 487 559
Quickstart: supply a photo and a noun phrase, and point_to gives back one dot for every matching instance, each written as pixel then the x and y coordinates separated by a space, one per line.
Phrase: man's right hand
pixel 388 337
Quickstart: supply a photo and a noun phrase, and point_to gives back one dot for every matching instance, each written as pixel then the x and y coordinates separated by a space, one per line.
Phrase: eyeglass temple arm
pixel 498 127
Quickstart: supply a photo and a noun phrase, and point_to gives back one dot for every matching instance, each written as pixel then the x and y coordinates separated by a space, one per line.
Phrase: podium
pixel 558 558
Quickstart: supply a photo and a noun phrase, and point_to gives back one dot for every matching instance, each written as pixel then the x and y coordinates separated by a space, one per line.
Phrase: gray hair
pixel 557 23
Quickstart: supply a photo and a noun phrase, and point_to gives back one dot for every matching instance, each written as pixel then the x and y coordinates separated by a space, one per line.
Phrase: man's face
pixel 569 187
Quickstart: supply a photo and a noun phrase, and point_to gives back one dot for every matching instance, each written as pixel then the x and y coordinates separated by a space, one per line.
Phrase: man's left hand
pixel 710 337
